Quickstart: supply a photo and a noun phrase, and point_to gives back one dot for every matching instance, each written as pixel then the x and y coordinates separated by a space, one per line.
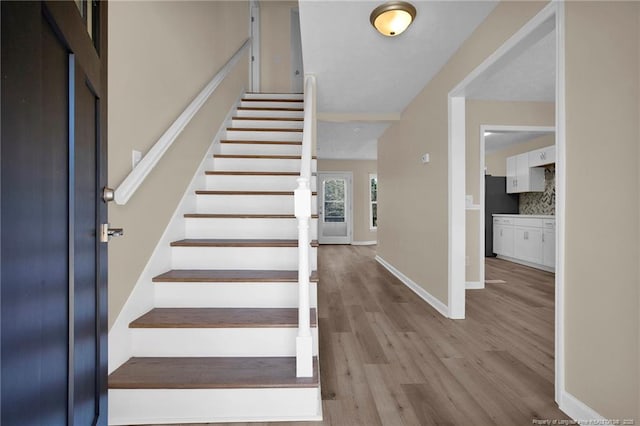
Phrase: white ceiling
pixel 529 77
pixel 354 140
pixel 362 73
pixel 497 141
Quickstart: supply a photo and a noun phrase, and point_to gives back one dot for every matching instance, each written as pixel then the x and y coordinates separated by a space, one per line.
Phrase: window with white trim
pixel 373 201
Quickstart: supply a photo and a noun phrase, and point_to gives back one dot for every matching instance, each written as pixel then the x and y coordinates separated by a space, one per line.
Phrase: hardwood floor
pixel 388 358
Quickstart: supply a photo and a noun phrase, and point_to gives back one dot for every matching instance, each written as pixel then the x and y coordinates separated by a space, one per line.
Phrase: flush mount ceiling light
pixel 393 17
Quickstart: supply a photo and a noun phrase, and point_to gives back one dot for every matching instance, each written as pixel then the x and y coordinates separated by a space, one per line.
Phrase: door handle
pixel 106 233
pixel 297 72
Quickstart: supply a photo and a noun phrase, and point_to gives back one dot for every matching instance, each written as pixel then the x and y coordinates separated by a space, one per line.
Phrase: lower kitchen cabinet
pixel 525 239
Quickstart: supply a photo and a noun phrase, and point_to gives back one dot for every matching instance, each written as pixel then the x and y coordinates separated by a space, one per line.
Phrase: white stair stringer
pixel 230 208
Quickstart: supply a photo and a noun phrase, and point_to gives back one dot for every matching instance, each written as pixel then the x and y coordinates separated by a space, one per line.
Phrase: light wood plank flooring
pixel 388 358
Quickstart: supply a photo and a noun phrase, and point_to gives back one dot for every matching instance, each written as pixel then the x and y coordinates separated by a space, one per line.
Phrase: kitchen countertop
pixel 535 216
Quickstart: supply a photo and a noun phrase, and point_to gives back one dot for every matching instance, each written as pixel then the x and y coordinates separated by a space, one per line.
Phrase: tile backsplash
pixel 541 202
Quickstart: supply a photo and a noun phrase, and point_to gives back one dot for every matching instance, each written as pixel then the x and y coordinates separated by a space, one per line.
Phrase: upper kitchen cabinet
pixel 542 156
pixel 521 177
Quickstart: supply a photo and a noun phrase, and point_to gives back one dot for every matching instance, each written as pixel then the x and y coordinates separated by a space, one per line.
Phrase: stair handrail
pixel 302 196
pixel 134 179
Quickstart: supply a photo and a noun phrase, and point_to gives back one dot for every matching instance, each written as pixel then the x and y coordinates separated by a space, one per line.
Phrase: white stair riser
pixel 263 104
pixel 155 406
pixel 269 258
pixel 259 164
pixel 297 96
pixel 268 113
pixel 257 204
pixel 246 228
pixel 254 183
pixel 271 124
pixel 256 135
pixel 260 149
pixel 230 295
pixel 201 342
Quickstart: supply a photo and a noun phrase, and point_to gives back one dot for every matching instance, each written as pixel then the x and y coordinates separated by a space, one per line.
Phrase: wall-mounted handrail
pixel 131 183
pixel 302 195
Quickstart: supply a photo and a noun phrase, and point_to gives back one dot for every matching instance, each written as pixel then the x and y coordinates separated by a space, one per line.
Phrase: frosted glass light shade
pixel 392 18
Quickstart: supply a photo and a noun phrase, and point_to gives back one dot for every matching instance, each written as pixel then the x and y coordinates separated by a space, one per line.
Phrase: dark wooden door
pixel 53 267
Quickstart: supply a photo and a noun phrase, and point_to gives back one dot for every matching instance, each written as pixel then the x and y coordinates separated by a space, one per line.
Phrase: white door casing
pixel 297 68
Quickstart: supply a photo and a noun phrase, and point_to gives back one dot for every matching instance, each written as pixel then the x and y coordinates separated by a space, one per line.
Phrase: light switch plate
pixel 136 156
pixel 425 158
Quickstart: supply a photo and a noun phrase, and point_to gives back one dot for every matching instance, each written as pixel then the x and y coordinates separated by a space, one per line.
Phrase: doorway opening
pixel 549 19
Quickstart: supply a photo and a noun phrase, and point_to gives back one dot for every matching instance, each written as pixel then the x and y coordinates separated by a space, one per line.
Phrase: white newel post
pixel 304 345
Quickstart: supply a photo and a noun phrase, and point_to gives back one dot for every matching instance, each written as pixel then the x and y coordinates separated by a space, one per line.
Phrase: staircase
pixel 220 343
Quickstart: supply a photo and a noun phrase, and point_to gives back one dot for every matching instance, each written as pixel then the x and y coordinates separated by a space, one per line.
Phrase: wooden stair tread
pixel 262 142
pixel 211 192
pixel 211 373
pixel 229 242
pixel 241 216
pixel 272 100
pixel 230 275
pixel 248 173
pixel 269 118
pixel 270 109
pixel 261 156
pixel 220 318
pixel 261 129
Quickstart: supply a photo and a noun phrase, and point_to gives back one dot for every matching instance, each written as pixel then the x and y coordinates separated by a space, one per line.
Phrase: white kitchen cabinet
pixel 503 236
pixel 542 156
pixel 528 244
pixel 549 243
pixel 521 177
pixel 526 239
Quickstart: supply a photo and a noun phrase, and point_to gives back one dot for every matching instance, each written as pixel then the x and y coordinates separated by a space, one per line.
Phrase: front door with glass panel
pixel 334 208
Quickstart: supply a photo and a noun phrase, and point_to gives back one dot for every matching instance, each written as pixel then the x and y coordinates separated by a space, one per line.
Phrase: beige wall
pixel 154 72
pixel 496 162
pixel 275 45
pixel 498 113
pixel 361 170
pixel 601 256
pixel 413 223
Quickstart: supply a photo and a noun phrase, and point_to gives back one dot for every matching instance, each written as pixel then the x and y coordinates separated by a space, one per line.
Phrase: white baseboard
pixel 364 243
pixel 578 410
pixel 525 263
pixel 474 285
pixel 417 289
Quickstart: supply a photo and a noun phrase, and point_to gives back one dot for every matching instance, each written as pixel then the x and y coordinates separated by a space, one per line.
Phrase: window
pixel 334 200
pixel 373 202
